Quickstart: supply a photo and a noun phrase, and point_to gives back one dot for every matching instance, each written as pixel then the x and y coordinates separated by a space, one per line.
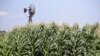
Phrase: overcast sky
pixel 58 11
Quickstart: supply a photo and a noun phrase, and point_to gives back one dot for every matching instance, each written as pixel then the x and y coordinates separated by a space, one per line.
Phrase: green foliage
pixel 51 40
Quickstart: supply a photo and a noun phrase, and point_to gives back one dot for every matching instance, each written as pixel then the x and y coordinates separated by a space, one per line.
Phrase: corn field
pixel 51 40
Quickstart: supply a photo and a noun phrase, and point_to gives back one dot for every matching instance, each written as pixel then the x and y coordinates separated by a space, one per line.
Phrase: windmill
pixel 31 12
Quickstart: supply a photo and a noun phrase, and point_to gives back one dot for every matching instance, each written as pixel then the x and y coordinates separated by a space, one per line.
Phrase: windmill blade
pixel 25 10
pixel 33 7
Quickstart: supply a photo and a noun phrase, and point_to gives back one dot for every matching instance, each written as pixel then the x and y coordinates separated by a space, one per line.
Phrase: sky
pixel 58 11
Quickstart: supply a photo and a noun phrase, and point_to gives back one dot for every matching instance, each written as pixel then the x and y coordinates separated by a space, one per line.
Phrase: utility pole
pixel 31 12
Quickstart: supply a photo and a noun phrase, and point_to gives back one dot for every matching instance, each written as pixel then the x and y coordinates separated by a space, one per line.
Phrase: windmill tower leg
pixel 30 19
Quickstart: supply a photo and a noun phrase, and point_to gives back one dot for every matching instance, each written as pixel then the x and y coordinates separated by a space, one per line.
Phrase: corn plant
pixel 51 40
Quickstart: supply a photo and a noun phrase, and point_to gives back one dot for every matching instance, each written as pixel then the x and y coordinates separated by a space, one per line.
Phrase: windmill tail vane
pixel 25 10
pixel 31 12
